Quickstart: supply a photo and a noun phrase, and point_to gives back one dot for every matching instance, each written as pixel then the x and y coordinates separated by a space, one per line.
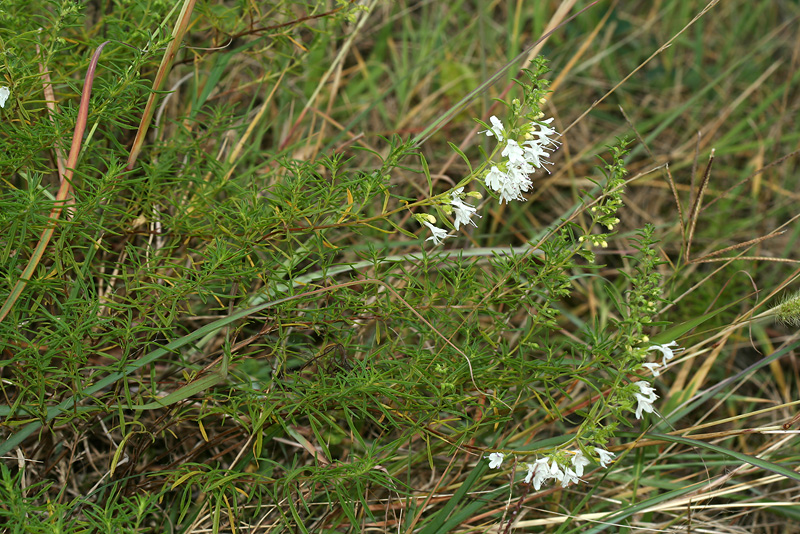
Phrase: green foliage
pixel 269 318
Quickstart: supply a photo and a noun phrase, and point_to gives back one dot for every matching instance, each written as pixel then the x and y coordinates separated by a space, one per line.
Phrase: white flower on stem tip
pixel 605 456
pixel 579 461
pixel 570 477
pixel 540 472
pixel 495 460
pixel 665 350
pixel 497 129
pixel 645 398
pixel 462 211
pixel 5 92
pixel 439 234
pixel 653 368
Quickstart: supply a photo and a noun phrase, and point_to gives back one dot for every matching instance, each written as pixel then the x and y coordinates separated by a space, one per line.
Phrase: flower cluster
pixel 552 468
pixel 525 150
pixel 5 92
pixel 524 156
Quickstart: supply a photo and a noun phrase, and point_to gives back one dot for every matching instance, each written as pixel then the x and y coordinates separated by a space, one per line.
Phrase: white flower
pixel 665 350
pixel 605 456
pixel 462 211
pixel 5 92
pixel 645 398
pixel 540 471
pixel 497 129
pixel 438 233
pixel 495 460
pixel 494 179
pixel 570 477
pixel 521 160
pixel 514 152
pixel 529 474
pixel 578 462
pixel 533 153
pixel 653 368
pixel 544 132
pixel 555 472
pixel 509 184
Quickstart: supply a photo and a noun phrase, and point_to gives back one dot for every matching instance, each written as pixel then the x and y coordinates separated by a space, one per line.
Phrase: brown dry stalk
pixel 63 191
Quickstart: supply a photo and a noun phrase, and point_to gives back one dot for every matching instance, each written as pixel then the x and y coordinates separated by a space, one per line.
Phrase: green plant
pixel 226 308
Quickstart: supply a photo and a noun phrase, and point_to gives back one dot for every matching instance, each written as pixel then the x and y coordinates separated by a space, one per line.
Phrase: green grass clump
pixel 227 301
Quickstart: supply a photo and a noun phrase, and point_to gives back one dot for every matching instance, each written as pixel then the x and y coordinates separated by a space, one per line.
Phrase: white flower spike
pixel 5 92
pixel 511 178
pixel 495 460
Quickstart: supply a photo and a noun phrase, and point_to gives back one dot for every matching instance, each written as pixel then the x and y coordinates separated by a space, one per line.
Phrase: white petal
pixel 542 473
pixel 555 472
pixel 544 132
pixel 5 92
pixel 462 210
pixel 494 179
pixel 495 460
pixel 514 152
pixel 645 404
pixel 497 129
pixel 579 461
pixel 605 456
pixel 653 368
pixel 439 234
pixel 665 350
pixel 534 152
pixel 570 477
pixel 646 389
pixel 529 474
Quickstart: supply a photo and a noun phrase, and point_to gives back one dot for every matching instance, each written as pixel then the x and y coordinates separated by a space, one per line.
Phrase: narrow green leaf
pixel 427 173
